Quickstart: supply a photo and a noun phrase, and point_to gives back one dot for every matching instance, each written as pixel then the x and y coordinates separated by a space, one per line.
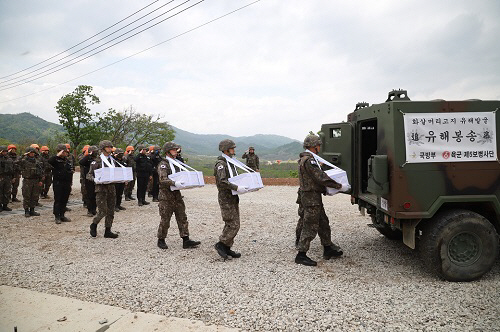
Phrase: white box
pixel 339 176
pixel 252 180
pixel 105 175
pixel 190 179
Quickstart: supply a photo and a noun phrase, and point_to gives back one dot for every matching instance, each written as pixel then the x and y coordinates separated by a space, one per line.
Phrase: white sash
pixel 238 164
pixel 320 160
pixel 179 164
pixel 104 160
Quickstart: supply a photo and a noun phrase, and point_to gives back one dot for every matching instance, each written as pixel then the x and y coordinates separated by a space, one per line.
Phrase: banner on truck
pixel 450 137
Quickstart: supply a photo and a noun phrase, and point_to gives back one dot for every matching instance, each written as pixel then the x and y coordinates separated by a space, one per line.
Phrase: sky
pixel 272 67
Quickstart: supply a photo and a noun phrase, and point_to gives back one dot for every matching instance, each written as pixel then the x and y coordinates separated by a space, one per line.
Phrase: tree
pixel 75 115
pixel 130 127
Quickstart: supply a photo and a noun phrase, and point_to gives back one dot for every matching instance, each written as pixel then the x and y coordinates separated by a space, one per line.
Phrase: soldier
pixel 156 159
pixel 37 148
pixel 85 163
pixel 144 168
pixel 229 203
pixel 105 193
pixel 119 187
pixel 6 178
pixel 47 171
pixel 83 188
pixel 171 202
pixel 16 177
pixel 62 173
pixel 128 157
pixel 72 160
pixel 252 160
pixel 313 182
pixel 32 172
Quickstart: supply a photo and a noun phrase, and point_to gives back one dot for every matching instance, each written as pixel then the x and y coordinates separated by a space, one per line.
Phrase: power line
pixel 51 71
pixel 80 42
pixel 132 55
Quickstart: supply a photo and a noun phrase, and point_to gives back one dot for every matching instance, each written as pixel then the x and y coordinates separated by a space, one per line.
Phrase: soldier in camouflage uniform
pixel 83 188
pixel 313 182
pixel 105 194
pixel 252 160
pixel 32 172
pixel 129 159
pixel 6 178
pixel 171 202
pixel 47 171
pixel 16 177
pixel 62 174
pixel 229 203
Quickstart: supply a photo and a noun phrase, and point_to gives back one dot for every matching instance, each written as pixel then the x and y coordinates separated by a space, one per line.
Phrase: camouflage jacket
pixel 313 180
pixel 164 171
pixel 31 168
pixel 99 187
pixel 252 160
pixel 6 166
pixel 47 168
pixel 129 159
pixel 15 159
pixel 221 173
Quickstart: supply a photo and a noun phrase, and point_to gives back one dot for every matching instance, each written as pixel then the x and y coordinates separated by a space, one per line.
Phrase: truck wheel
pixel 459 245
pixel 386 230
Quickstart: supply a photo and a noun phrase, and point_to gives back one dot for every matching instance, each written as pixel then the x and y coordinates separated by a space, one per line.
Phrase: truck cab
pixel 426 172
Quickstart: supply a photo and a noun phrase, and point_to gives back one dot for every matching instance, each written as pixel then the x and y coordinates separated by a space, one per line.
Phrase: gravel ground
pixel 377 285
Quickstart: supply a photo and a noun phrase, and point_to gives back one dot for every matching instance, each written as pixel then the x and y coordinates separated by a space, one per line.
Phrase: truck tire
pixel 386 230
pixel 459 245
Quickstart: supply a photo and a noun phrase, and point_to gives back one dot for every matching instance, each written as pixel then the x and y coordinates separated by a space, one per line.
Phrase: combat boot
pixel 117 209
pixel 57 220
pixel 155 200
pixel 27 213
pixel 14 199
pixel 67 209
pixel 231 253
pixel 6 208
pixel 65 219
pixel 109 234
pixel 221 249
pixel 162 244
pixel 140 203
pixel 332 251
pixel 93 230
pixel 302 258
pixel 187 243
pixel 145 202
pixel 127 198
pixel 121 207
pixel 90 214
pixel 33 213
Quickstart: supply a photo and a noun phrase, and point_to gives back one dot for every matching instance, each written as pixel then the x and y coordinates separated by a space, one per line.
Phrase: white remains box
pixel 189 178
pixel 251 180
pixel 108 173
pixel 339 176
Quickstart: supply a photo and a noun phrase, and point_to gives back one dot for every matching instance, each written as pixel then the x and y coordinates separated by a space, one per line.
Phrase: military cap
pixel 251 148
pixel 3 148
pixel 92 149
pixel 44 148
pixel 61 147
pixel 35 146
pixel 141 147
pixel 170 146
pixel 30 149
pixel 105 144
pixel 311 141
pixel 118 151
pixel 226 144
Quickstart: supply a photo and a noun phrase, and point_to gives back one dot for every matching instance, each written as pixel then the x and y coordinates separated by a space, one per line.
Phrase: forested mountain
pixel 25 127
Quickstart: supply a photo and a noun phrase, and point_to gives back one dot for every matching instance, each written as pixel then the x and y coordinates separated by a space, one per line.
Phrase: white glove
pixel 345 188
pixel 242 189
pixel 179 183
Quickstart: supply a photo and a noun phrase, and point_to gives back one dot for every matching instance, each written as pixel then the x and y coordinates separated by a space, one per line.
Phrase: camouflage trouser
pixel 231 215
pixel 167 208
pixel 31 191
pixel 106 201
pixel 315 222
pixel 47 183
pixel 300 222
pixel 129 186
pixel 15 185
pixel 83 190
pixel 5 189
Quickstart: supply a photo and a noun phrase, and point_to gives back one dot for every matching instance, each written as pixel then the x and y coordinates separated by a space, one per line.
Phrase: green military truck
pixel 426 172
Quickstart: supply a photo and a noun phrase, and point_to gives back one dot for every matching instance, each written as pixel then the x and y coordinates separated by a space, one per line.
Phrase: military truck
pixel 426 172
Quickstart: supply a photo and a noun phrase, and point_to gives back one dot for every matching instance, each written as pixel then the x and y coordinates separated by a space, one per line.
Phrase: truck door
pixel 338 145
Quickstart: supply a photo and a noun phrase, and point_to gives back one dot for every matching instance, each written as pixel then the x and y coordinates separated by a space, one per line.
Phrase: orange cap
pixel 44 148
pixel 151 148
pixel 85 148
pixel 35 146
pixel 11 146
pixel 114 149
pixel 68 146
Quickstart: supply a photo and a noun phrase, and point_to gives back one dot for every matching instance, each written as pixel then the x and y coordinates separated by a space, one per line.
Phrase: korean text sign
pixel 450 137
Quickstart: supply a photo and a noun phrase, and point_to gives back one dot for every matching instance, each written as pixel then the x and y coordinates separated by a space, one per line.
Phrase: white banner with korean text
pixel 450 137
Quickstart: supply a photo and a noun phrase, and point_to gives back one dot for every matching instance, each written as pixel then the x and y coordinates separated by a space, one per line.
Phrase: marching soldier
pixel 252 160
pixel 47 171
pixel 62 174
pixel 171 202
pixel 128 157
pixel 144 168
pixel 229 203
pixel 105 194
pixel 32 172
pixel 85 163
pixel 16 177
pixel 6 178
pixel 313 182
pixel 119 187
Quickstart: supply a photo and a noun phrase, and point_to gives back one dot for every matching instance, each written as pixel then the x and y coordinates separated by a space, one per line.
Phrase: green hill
pixel 27 128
